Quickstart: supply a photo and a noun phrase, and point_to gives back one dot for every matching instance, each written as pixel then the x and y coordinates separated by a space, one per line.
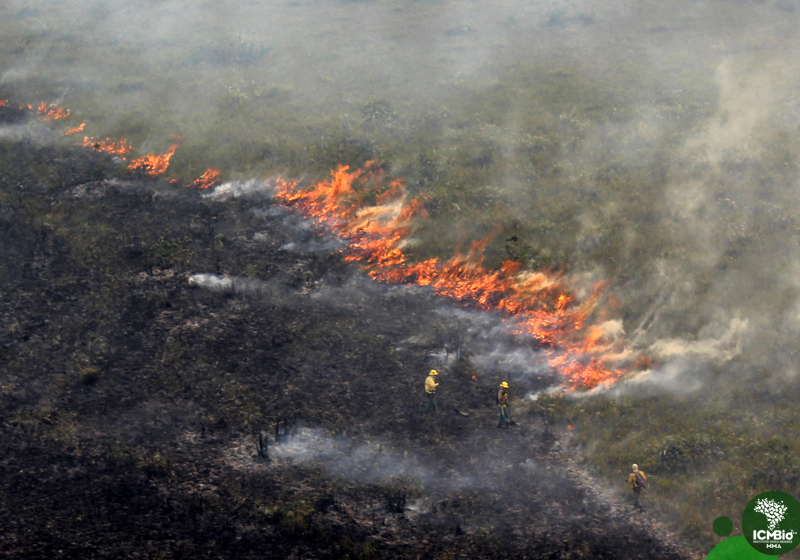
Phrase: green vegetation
pixel 656 146
pixel 706 454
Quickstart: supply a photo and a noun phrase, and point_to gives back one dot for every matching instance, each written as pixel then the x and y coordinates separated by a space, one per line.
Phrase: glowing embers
pixel 205 180
pixel 51 112
pixel 537 305
pixel 119 148
pixel 75 129
pixel 153 165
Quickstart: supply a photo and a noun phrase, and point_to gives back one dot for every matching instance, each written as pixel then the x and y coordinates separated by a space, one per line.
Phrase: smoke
pixel 377 461
pixel 26 133
pixel 512 363
pixel 251 189
pixel 727 202
pixel 681 375
pixel 744 105
pixel 312 246
pixel 237 285
pixel 719 349
pixel 652 145
pixel 306 239
pixel 356 292
pixel 360 462
pixel 483 343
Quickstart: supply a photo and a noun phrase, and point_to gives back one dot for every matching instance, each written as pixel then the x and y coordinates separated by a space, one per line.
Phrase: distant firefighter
pixel 430 389
pixel 638 482
pixel 502 403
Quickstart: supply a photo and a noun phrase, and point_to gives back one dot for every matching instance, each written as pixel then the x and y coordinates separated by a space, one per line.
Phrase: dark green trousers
pixel 504 419
pixel 637 495
pixel 431 403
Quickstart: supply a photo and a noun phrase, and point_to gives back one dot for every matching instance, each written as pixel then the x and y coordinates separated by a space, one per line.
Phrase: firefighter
pixel 638 482
pixel 430 389
pixel 502 403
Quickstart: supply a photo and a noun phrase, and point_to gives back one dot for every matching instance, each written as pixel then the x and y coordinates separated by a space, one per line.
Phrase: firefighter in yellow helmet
pixel 430 389
pixel 638 482
pixel 502 403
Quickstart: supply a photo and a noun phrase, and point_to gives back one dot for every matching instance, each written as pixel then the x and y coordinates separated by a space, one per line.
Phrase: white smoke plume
pixel 713 349
pixel 254 188
pixel 364 462
pixel 313 246
pixel 236 285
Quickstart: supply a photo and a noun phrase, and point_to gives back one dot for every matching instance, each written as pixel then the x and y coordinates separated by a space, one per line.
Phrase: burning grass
pixel 206 180
pixel 575 152
pixel 152 164
pixel 75 129
pixel 539 305
pixel 119 148
pixel 51 112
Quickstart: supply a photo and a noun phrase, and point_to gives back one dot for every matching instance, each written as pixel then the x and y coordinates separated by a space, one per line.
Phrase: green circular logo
pixel 771 523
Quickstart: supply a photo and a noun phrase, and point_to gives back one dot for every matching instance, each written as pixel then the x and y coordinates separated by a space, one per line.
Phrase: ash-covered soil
pixel 150 336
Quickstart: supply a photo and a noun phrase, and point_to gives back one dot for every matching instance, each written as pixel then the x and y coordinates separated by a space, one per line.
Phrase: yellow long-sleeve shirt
pixel 632 479
pixel 430 384
pixel 502 398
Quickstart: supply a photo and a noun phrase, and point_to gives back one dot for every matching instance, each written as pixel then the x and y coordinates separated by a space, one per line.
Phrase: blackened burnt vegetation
pixel 148 414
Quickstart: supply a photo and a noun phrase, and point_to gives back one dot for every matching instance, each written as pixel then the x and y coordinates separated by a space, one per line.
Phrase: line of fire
pixel 538 306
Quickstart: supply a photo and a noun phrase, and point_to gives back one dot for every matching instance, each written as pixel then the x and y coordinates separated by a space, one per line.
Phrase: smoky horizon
pixel 652 147
pixel 237 235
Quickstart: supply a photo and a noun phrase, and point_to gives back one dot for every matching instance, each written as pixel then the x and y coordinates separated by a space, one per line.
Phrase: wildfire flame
pixel 51 112
pixel 118 148
pixel 205 180
pixel 537 304
pixel 152 164
pixel 75 129
pixel 3 102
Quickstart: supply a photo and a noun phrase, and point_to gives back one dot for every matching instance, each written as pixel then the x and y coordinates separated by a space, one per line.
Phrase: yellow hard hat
pixel 504 385
pixel 433 372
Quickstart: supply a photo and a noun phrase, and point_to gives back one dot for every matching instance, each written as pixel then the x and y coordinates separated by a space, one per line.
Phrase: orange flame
pixel 118 148
pixel 51 112
pixel 75 129
pixel 205 180
pixel 3 102
pixel 537 303
pixel 152 164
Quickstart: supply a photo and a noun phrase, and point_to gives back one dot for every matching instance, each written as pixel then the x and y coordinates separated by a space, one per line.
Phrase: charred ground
pixel 132 398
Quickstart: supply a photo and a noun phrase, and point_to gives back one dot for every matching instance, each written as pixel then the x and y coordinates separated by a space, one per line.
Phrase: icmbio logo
pixel 771 522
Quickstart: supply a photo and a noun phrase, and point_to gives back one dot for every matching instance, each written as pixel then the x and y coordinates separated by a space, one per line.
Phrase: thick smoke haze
pixel 366 462
pixel 653 145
